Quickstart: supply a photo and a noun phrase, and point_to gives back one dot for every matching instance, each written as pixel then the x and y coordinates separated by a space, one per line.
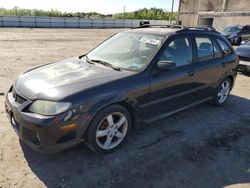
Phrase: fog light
pixel 69 127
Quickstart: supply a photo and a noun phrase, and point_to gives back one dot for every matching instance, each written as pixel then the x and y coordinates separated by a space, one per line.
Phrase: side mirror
pixel 166 65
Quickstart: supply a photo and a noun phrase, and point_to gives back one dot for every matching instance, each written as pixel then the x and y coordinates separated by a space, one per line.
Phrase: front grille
pixel 244 58
pixel 18 98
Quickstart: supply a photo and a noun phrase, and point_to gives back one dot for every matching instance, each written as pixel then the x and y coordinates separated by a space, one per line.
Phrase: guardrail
pixel 71 22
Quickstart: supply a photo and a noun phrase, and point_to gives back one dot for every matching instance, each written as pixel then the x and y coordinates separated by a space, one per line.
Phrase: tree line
pixel 152 13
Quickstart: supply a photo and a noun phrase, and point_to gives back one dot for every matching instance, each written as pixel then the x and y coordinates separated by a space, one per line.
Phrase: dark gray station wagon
pixel 137 75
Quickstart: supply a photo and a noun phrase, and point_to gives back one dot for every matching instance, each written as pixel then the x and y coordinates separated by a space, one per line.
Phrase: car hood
pixel 243 50
pixel 228 34
pixel 58 80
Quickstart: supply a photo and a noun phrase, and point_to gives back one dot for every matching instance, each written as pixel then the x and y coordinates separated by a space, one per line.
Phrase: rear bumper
pixel 43 133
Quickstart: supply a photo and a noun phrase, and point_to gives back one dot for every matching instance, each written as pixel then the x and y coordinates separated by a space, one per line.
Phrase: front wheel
pixel 109 129
pixel 222 92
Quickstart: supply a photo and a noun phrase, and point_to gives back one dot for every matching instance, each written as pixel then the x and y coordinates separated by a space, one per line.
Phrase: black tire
pixel 215 101
pixel 91 137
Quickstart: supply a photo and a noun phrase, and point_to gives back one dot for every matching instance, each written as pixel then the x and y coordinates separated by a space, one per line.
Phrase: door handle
pixel 223 64
pixel 191 72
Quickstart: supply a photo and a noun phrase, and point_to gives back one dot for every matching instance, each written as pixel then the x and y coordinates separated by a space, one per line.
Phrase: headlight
pixel 49 107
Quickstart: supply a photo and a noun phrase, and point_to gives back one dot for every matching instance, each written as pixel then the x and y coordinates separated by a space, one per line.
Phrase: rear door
pixel 209 66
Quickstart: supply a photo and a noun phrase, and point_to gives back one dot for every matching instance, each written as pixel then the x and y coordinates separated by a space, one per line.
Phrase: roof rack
pixel 162 26
pixel 199 29
pixel 150 25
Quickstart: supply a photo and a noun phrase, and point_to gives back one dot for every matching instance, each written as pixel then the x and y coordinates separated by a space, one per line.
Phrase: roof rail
pixel 150 25
pixel 163 26
pixel 199 29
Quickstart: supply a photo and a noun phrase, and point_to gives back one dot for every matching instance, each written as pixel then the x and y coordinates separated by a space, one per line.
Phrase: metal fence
pixel 66 22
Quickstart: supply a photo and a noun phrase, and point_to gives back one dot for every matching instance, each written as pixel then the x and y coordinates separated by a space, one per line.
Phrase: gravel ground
pixel 204 146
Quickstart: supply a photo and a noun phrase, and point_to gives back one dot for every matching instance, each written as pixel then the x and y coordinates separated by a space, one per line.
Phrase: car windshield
pixel 247 43
pixel 127 50
pixel 232 29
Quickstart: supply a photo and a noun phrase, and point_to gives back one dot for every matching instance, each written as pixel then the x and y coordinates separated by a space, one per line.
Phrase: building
pixel 216 13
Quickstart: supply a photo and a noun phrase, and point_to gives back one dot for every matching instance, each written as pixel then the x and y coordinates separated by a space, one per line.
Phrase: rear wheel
pixel 222 92
pixel 109 129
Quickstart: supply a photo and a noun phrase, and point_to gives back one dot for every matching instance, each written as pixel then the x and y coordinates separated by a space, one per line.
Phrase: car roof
pixel 170 31
pixel 154 31
pixel 237 25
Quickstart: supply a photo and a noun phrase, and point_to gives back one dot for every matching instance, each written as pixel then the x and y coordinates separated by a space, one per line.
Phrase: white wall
pixel 67 22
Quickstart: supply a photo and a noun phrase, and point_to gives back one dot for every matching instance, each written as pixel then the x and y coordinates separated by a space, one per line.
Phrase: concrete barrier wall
pixel 66 22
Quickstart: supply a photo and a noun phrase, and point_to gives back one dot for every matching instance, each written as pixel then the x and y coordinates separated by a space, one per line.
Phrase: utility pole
pixel 171 15
pixel 124 10
pixel 179 10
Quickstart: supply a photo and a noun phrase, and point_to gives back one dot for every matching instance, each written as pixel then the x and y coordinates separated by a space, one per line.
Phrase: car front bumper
pixel 232 40
pixel 43 133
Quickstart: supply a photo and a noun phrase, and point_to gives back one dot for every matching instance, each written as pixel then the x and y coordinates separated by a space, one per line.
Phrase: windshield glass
pixel 247 43
pixel 232 29
pixel 127 50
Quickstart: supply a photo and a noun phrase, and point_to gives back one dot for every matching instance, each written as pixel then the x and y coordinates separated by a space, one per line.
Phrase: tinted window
pixel 244 29
pixel 217 52
pixel 179 51
pixel 204 48
pixel 224 46
pixel 248 28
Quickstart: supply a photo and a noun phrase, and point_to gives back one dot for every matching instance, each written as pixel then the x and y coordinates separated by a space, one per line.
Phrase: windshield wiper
pixel 86 58
pixel 106 64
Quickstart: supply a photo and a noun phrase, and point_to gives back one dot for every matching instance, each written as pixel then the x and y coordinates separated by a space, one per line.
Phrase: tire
pixel 109 129
pixel 222 92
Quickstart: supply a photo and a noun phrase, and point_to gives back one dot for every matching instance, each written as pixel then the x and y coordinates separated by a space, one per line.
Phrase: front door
pixel 172 90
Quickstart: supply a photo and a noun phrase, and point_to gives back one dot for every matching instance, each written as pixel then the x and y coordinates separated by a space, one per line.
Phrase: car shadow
pixel 204 146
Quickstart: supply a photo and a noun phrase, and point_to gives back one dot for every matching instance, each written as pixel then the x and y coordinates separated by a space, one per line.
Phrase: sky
pixel 101 6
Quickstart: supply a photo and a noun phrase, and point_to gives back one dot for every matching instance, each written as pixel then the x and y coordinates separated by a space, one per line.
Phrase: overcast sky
pixel 101 6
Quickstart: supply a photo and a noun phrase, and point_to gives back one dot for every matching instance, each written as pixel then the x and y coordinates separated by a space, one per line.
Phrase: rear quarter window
pixel 226 49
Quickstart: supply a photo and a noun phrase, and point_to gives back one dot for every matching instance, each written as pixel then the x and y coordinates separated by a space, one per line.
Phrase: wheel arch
pixel 232 80
pixel 130 108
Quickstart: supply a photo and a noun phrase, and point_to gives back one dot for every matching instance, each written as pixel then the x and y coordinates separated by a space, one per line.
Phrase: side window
pixel 205 49
pixel 245 29
pixel 248 28
pixel 179 51
pixel 224 47
pixel 217 51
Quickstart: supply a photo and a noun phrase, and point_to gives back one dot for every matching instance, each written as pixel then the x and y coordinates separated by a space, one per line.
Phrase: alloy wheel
pixel 224 91
pixel 111 131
